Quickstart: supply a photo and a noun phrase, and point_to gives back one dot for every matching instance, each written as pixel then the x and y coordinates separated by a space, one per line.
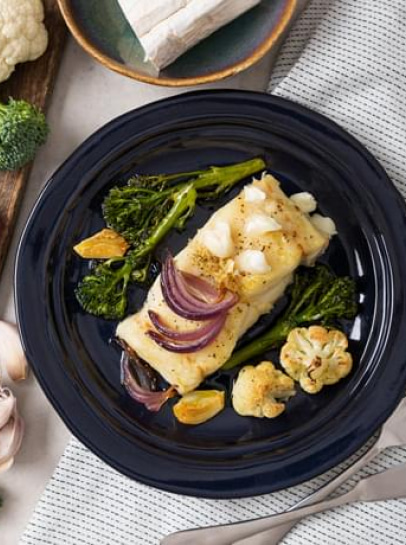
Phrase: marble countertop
pixel 88 92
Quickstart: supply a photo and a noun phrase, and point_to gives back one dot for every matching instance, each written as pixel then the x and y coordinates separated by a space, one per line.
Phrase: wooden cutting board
pixel 32 81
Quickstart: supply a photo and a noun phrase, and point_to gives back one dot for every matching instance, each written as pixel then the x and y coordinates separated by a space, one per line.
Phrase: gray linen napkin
pixel 347 59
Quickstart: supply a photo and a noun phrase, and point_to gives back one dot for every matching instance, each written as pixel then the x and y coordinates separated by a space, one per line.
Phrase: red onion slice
pixel 175 301
pixel 193 335
pixel 153 401
pixel 181 287
pixel 182 305
pixel 194 346
pixel 201 289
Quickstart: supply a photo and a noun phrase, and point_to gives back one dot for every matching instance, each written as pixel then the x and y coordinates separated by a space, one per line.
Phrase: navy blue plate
pixel 78 368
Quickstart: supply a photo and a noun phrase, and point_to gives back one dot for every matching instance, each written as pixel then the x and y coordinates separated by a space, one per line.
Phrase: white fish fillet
pixel 297 242
pixel 168 28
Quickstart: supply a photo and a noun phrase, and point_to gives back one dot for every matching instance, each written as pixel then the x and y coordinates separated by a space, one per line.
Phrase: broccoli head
pixel 102 293
pixel 23 129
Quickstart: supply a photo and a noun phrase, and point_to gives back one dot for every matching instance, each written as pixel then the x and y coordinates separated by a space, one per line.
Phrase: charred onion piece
pixel 193 335
pixel 181 305
pixel 144 374
pixel 153 401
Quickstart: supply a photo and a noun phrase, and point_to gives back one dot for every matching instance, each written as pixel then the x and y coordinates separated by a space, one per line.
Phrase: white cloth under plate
pixel 346 59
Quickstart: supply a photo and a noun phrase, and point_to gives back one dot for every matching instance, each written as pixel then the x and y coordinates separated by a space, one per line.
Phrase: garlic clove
pixel 259 224
pixel 199 406
pixel 11 352
pixel 102 245
pixel 10 438
pixel 7 405
pixel 324 224
pixel 253 262
pixel 304 201
pixel 218 239
pixel 253 194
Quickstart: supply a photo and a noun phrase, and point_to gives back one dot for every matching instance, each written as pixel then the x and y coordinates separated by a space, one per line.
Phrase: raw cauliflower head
pixel 316 357
pixel 23 36
pixel 261 391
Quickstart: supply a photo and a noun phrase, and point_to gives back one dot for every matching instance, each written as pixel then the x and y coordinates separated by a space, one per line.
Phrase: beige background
pixel 86 97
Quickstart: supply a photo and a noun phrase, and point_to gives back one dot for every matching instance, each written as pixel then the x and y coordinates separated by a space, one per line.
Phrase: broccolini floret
pixel 144 212
pixel 23 129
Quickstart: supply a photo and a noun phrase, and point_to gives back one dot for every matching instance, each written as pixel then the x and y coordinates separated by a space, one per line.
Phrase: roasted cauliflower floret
pixel 316 357
pixel 261 391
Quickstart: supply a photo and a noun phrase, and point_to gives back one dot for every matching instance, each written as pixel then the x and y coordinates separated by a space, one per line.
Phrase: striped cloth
pixel 346 59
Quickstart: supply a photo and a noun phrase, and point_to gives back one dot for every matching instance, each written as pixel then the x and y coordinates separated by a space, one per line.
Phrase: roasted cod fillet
pixel 295 242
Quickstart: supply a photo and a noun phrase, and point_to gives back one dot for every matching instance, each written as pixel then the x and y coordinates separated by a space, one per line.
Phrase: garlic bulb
pixel 253 194
pixel 102 245
pixel 324 224
pixel 10 438
pixel 7 406
pixel 218 240
pixel 304 201
pixel 11 352
pixel 7 465
pixel 259 224
pixel 252 261
pixel 11 430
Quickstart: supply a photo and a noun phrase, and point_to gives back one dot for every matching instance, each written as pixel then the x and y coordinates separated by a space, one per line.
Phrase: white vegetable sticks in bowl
pixel 168 28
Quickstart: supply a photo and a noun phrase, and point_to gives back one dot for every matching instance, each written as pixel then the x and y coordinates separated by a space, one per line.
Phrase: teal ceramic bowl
pixel 102 30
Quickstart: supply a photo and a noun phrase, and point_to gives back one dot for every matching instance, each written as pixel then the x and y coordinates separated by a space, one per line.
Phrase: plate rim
pixel 104 131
